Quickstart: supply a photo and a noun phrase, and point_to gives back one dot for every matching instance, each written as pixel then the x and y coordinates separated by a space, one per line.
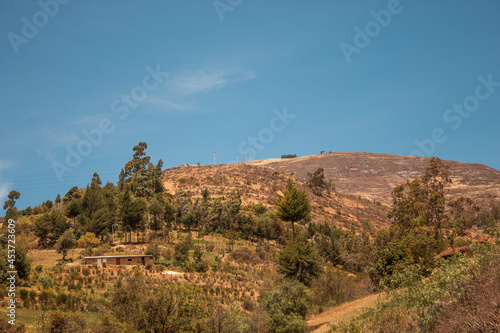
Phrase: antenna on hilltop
pixel 214 158
pixel 236 158
pixel 245 156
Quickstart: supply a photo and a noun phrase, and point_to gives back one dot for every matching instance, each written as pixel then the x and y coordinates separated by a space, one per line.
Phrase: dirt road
pixel 342 313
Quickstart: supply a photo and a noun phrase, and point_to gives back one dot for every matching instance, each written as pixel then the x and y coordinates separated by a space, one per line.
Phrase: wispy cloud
pixel 167 104
pixel 202 80
pixel 60 138
pixel 4 190
pixel 5 164
pixel 88 120
pixel 4 186
pixel 46 154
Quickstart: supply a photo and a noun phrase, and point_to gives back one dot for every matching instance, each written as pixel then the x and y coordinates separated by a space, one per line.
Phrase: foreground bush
pixel 452 299
pixel 478 310
pixel 287 306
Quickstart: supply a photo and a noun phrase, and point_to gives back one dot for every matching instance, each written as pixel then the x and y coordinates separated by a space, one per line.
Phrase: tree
pixel 13 196
pixel 181 254
pixel 156 209
pixel 419 216
pixel 293 206
pixel 422 197
pixel 73 193
pixel 132 211
pixel 181 251
pixel 12 212
pixel 65 242
pixel 58 200
pixel 73 209
pixel 205 194
pixel 156 178
pixel 50 226
pixel 463 212
pixel 300 261
pixel 98 209
pixel 89 240
pixel 316 181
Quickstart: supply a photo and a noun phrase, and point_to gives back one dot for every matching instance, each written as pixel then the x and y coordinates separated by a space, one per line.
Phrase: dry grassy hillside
pixel 373 176
pixel 262 185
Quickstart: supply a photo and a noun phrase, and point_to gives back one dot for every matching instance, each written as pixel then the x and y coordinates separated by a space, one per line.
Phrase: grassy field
pixel 49 258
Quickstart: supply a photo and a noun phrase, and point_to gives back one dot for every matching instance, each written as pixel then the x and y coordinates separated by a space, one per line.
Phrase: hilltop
pixel 373 176
pixel 262 185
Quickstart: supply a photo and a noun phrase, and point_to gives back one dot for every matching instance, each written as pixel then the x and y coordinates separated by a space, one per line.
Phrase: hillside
pixel 373 176
pixel 262 185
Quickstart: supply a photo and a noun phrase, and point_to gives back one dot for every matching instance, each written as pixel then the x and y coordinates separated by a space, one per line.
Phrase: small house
pixel 118 260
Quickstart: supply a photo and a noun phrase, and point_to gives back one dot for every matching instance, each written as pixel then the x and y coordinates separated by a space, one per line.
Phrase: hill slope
pixel 373 176
pixel 262 185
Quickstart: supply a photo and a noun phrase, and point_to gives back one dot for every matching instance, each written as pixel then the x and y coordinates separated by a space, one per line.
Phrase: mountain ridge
pixel 374 175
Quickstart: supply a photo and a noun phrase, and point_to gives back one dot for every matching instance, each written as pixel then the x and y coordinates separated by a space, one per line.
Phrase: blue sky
pixel 240 76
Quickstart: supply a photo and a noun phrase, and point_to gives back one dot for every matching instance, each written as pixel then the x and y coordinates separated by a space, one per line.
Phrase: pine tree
pixel 293 206
pixel 300 261
pixel 98 210
pixel 132 211
pixel 50 226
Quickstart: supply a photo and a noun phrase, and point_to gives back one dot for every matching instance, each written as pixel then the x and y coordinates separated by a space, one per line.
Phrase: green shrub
pixel 287 306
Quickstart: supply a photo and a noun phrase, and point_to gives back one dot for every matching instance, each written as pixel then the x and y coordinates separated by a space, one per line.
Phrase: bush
pixel 5 327
pixel 259 209
pixel 88 240
pixel 287 306
pixel 85 271
pixel 335 287
pixel 46 281
pixel 60 322
pixel 154 250
pixel 478 305
pixel 245 255
pixel 181 254
pixel 419 300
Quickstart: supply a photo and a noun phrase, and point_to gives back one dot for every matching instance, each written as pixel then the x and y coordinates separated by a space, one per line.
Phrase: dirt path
pixel 344 312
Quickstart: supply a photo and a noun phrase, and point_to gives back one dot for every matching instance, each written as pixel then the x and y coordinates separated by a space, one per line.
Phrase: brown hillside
pixel 261 185
pixel 373 176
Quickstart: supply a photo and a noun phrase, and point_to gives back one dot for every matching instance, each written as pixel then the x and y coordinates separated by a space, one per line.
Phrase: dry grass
pixel 478 310
pixel 49 258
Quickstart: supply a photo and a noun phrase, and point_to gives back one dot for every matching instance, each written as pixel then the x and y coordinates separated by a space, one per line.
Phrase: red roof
pixel 449 251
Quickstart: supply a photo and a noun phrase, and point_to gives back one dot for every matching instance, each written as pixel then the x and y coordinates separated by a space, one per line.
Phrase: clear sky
pixel 82 82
